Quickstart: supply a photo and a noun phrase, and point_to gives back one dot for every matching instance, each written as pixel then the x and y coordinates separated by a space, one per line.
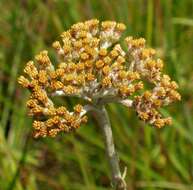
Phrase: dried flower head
pixel 93 66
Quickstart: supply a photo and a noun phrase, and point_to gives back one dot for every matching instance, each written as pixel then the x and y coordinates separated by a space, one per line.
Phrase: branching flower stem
pixel 102 117
pixel 94 67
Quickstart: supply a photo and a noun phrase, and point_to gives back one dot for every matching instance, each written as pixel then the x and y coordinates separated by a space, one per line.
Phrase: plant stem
pixel 102 117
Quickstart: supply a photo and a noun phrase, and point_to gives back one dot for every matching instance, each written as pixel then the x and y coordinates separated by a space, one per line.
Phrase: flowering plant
pixel 95 67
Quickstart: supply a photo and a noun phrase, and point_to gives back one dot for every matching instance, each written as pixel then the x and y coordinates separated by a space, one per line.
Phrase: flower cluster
pixel 93 66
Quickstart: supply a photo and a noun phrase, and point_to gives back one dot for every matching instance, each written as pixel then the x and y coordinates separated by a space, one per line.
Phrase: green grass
pixel 156 159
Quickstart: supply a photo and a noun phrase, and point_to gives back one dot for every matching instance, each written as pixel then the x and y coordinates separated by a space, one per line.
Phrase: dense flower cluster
pixel 93 66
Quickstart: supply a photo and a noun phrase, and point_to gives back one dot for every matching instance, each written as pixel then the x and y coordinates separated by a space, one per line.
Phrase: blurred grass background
pixel 156 159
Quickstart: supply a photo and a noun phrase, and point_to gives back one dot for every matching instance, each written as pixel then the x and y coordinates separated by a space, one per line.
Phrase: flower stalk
pixel 102 118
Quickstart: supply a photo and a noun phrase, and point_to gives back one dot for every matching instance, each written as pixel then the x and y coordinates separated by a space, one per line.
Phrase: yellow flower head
pixel 93 66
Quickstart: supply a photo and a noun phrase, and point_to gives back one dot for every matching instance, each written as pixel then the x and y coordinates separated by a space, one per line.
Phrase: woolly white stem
pixel 104 122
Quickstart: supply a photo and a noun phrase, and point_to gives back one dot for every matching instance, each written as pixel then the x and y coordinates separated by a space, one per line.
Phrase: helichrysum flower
pixel 94 66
